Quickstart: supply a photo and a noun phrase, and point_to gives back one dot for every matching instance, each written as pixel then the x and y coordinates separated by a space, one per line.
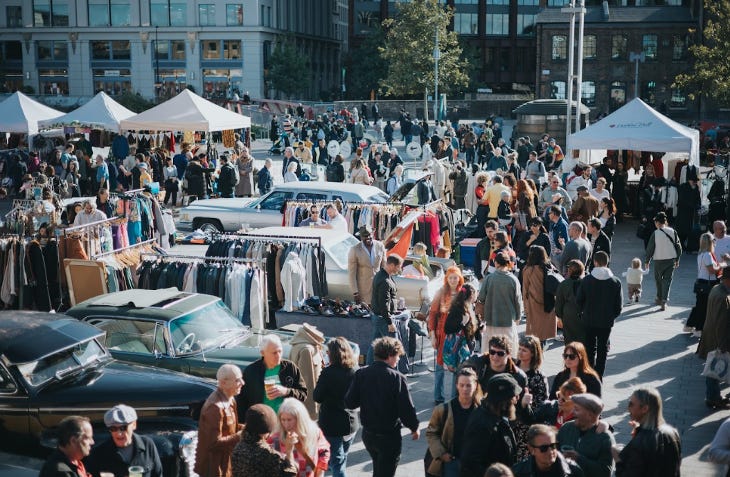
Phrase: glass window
pixel 498 24
pixel 275 200
pixel 177 48
pixel 211 49
pixel 129 336
pixel 62 362
pixel 160 12
pixel 649 46
pixel 365 20
pixel 206 14
pixel 14 16
pixel 526 24
pixel 589 47
pixel 178 13
pixel 467 2
pixel 121 50
pixel 557 3
pixel 673 3
pixel 121 13
pixel 100 50
pixel 60 50
pixel 588 93
pixel 231 49
pixel 13 50
pixel 60 12
pixel 618 95
pixel 678 99
pixel 648 92
pixel 679 47
pixel 234 14
pixel 7 385
pixel 557 89
pixel 113 82
pixel 98 13
pixel 619 47
pixel 466 23
pixel 497 2
pixel 529 3
pixel 44 50
pixel 162 50
pixel 41 13
pixel 560 47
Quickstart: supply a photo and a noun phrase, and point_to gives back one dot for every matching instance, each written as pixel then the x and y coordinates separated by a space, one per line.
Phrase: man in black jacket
pixel 125 448
pixel 384 301
pixel 381 393
pixel 599 241
pixel 425 191
pixel 270 379
pixel 488 438
pixel 227 178
pixel 75 438
pixel 545 459
pixel 599 298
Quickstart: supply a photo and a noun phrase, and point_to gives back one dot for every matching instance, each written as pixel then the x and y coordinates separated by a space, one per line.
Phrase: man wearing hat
pixel 125 448
pixel 580 440
pixel 218 430
pixel 253 455
pixel 488 438
pixel 364 260
pixel 665 249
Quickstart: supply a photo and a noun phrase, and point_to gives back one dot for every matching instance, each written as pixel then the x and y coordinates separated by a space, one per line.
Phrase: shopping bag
pixel 717 365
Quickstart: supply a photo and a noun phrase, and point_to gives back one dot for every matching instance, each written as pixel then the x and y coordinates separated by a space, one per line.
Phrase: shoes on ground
pixel 662 307
pixel 657 301
pixel 688 329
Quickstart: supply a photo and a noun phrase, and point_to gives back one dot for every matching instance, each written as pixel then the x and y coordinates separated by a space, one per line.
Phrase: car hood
pixel 219 204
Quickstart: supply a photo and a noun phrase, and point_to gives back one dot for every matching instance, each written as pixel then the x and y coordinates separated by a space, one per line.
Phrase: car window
pixel 131 336
pixel 62 363
pixel 276 200
pixel 338 250
pixel 311 196
pixel 207 327
pixel 7 385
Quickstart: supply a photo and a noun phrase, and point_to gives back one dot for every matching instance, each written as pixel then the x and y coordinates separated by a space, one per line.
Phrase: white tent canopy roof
pixel 186 112
pixel 20 114
pixel 637 126
pixel 101 112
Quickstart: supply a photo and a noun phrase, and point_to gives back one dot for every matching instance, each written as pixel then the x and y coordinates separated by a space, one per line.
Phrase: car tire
pixel 208 225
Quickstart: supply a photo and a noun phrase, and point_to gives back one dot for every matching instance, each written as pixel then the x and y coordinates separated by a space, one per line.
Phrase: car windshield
pixel 205 328
pixel 62 363
pixel 338 250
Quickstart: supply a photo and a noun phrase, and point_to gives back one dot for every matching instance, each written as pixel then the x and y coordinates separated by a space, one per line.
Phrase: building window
pixel 467 2
pixel 526 24
pixel 112 82
pixel 528 3
pixel 648 92
pixel 560 47
pixel 466 23
pixel 162 50
pixel 177 49
pixel 231 49
pixel 110 50
pixel 219 83
pixel 52 50
pixel 649 46
pixel 11 50
pixel 679 47
pixel 673 3
pixel 678 99
pixel 619 47
pixel 221 50
pixel 206 14
pixel 366 20
pixel 168 13
pixel 234 14
pixel 557 3
pixel 53 82
pixel 588 93
pixel 557 89
pixel 109 13
pixel 618 96
pixel 589 47
pixel 497 2
pixel 48 13
pixel 14 16
pixel 498 24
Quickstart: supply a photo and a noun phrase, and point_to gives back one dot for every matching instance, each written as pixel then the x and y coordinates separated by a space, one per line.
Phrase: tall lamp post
pixel 637 58
pixel 574 10
pixel 436 57
pixel 157 65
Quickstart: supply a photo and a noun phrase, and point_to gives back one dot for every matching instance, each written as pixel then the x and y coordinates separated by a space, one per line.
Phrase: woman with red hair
pixel 453 281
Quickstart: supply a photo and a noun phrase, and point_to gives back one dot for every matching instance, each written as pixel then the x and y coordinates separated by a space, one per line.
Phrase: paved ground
pixel 647 348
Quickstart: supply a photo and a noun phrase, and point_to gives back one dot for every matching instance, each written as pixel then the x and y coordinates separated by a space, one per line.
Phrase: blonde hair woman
pixel 298 431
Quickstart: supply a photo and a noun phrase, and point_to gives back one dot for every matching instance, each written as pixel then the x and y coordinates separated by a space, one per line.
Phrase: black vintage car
pixel 52 366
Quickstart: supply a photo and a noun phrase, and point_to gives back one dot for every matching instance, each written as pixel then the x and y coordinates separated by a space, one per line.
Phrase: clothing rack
pixel 267 238
pixel 98 223
pixel 129 247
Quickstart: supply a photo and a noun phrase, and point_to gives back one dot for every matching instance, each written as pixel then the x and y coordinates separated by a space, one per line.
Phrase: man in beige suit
pixel 363 261
pixel 585 205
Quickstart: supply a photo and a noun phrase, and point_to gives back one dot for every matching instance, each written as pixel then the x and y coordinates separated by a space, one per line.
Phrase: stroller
pixel 280 144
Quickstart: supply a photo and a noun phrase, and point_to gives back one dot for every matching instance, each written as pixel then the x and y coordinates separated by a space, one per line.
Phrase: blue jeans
pixel 380 329
pixel 438 384
pixel 712 389
pixel 339 447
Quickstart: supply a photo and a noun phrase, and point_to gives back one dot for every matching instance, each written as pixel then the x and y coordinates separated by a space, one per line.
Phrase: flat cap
pixel 588 401
pixel 120 414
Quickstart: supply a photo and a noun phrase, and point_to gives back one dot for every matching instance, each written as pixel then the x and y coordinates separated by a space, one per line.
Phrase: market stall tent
pixel 101 112
pixel 21 114
pixel 636 126
pixel 186 112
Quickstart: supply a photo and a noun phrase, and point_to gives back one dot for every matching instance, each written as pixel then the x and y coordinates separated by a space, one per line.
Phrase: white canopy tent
pixel 186 112
pixel 21 114
pixel 637 126
pixel 101 112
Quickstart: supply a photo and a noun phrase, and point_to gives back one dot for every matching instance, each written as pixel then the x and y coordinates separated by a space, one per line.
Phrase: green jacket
pixel 594 450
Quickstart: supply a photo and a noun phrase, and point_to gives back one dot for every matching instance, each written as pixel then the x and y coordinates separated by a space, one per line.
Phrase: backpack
pixel 331 173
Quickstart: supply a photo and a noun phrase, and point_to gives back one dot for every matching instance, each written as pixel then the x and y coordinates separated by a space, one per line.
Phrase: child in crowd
pixel 634 276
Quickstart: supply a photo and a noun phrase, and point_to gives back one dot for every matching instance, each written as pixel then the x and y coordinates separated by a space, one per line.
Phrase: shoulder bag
pixel 429 463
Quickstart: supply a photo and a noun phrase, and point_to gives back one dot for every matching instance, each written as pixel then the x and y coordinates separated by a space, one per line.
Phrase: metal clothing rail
pixel 268 238
pixel 98 223
pixel 346 202
pixel 162 256
pixel 123 249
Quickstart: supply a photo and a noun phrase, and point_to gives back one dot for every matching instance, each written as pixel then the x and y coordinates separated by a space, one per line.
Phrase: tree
pixel 409 47
pixel 365 66
pixel 710 74
pixel 288 70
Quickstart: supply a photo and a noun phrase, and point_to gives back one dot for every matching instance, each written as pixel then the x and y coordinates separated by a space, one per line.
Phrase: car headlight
pixel 188 443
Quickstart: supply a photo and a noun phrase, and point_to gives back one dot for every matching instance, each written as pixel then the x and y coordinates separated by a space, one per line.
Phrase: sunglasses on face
pixel 569 356
pixel 500 353
pixel 121 428
pixel 546 447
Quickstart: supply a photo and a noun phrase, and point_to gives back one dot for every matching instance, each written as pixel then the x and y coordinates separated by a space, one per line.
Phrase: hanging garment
pixel 293 281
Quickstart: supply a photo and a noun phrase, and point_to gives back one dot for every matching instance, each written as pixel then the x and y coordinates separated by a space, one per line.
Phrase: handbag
pixel 703 287
pixel 717 365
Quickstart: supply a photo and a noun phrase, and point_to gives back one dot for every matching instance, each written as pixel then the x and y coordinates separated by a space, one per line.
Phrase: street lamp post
pixel 637 58
pixel 436 57
pixel 574 10
pixel 157 65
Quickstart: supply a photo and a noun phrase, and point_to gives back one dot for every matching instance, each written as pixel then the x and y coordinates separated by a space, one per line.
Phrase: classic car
pixel 189 332
pixel 337 246
pixel 265 211
pixel 53 366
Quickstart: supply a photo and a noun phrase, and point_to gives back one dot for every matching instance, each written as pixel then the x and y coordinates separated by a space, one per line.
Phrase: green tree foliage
pixel 134 102
pixel 365 66
pixel 409 46
pixel 288 71
pixel 710 74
